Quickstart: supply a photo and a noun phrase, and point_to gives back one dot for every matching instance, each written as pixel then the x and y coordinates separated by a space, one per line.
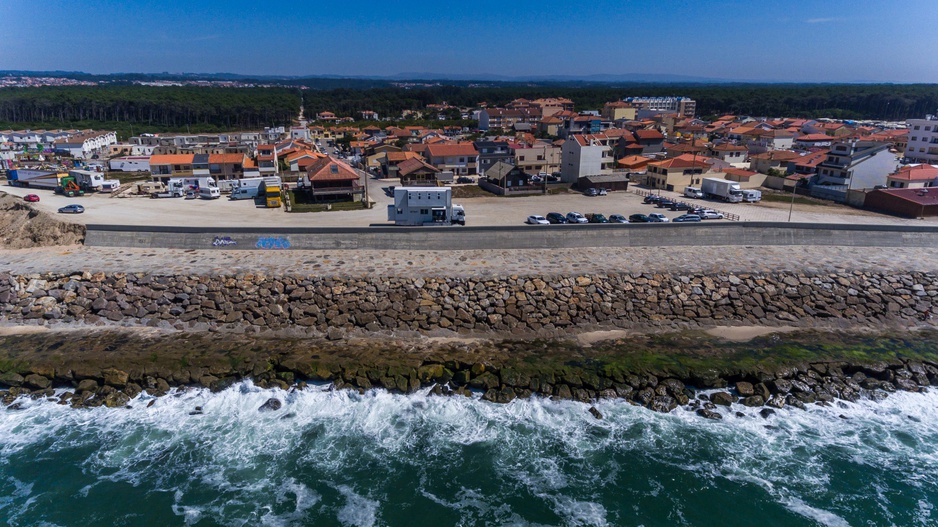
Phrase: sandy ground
pixel 746 333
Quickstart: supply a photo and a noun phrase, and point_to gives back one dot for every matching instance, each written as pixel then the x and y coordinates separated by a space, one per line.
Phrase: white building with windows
pixel 923 140
pixel 586 155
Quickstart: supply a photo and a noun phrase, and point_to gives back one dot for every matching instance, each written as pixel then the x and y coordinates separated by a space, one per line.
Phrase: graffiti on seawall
pixel 272 243
pixel 223 241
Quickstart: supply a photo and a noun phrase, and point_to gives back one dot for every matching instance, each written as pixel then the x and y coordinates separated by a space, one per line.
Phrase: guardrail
pixel 729 216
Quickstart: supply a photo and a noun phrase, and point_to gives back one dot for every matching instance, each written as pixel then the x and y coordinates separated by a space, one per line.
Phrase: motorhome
pixel 425 206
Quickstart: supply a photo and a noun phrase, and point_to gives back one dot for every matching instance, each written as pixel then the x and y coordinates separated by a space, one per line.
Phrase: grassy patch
pixel 800 200
pixel 323 207
pixel 470 191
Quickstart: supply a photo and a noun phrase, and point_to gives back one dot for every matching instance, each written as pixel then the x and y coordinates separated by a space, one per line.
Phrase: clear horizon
pixel 798 41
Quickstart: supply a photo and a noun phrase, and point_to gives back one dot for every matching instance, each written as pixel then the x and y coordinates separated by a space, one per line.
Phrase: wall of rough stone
pixel 516 304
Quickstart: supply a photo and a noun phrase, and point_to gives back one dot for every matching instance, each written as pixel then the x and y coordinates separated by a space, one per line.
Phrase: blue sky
pixel 793 40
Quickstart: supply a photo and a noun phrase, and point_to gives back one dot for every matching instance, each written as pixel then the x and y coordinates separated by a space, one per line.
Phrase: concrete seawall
pixel 521 237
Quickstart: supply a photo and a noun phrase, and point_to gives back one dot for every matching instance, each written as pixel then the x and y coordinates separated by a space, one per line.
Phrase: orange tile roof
pixel 459 149
pixel 916 173
pixel 330 169
pixel 226 158
pixel 171 159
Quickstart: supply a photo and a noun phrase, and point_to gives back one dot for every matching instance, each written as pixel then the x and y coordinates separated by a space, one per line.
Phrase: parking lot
pixel 489 210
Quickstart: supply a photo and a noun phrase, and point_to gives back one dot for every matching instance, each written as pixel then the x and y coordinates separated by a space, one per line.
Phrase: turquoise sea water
pixel 378 459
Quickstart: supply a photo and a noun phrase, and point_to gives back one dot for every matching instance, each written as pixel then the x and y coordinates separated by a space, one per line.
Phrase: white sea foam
pixel 358 511
pixel 554 450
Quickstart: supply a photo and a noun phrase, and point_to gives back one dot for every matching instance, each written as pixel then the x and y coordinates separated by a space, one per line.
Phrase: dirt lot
pixel 108 209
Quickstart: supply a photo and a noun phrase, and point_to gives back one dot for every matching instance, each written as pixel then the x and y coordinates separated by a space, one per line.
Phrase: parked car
pixel 591 192
pixel 653 198
pixel 603 192
pixel 686 218
pixel 618 218
pixel 576 217
pixel 32 198
pixel 556 218
pixel 710 215
pixel 536 219
pixel 657 217
pixel 191 194
pixel 639 218
pixel 597 218
pixel 664 203
pixel 680 206
pixel 72 209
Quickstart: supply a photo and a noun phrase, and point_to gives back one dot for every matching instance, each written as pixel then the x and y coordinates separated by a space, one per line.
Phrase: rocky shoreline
pixel 119 334
pixel 110 368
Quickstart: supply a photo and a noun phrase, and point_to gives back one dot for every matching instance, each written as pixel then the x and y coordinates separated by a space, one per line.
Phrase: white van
pixel 692 192
pixel 209 193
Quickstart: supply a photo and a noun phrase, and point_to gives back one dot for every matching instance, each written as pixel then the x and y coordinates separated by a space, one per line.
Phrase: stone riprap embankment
pixel 520 305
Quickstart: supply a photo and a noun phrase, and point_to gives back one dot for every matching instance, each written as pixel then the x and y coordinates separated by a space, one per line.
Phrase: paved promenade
pixel 470 263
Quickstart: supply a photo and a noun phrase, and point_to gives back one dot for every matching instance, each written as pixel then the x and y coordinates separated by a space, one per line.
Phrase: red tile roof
pixel 459 149
pixel 171 159
pixel 916 173
pixel 329 169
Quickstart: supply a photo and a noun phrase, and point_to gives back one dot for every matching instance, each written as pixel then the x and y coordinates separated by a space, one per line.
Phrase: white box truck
pixel 425 206
pixel 722 189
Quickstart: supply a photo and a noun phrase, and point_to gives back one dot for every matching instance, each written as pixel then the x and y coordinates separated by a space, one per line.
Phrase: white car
pixel 657 217
pixel 534 219
pixel 710 215
pixel 576 217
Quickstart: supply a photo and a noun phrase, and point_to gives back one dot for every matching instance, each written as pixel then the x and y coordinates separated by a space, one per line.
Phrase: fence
pixel 726 215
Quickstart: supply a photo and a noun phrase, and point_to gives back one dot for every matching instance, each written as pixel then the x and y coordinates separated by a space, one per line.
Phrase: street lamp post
pixel 790 208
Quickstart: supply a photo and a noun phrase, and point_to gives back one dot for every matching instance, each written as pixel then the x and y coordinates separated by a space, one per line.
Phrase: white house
pixel 85 145
pixel 586 155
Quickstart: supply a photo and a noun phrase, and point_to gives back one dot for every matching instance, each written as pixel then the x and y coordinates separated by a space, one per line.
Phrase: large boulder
pixel 723 398
pixel 753 400
pixel 744 389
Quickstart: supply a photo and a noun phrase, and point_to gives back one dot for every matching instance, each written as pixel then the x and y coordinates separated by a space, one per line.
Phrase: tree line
pixel 169 107
pixel 147 108
pixel 854 101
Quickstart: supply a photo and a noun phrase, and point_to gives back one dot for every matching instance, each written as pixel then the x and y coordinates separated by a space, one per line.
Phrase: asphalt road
pixel 109 209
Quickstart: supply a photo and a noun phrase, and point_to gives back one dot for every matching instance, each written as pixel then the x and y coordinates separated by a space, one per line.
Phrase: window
pixel 424 211
pixel 916 127
pixel 915 138
pixel 928 128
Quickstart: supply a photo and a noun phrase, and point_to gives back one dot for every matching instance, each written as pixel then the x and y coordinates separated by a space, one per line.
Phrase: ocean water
pixel 379 459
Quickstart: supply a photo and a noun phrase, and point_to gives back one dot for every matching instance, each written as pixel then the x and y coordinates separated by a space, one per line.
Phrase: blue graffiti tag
pixel 223 241
pixel 273 243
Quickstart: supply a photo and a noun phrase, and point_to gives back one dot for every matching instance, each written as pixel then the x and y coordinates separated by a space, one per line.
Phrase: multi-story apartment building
pixel 586 155
pixel 538 158
pixel 853 165
pixel 491 152
pixel 923 140
pixel 648 105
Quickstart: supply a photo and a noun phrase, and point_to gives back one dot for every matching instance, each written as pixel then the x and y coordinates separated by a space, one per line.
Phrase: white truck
pixel 751 196
pixel 722 189
pixel 248 188
pixel 175 188
pixel 425 206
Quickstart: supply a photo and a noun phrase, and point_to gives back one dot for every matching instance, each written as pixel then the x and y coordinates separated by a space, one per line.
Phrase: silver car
pixel 576 217
pixel 710 215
